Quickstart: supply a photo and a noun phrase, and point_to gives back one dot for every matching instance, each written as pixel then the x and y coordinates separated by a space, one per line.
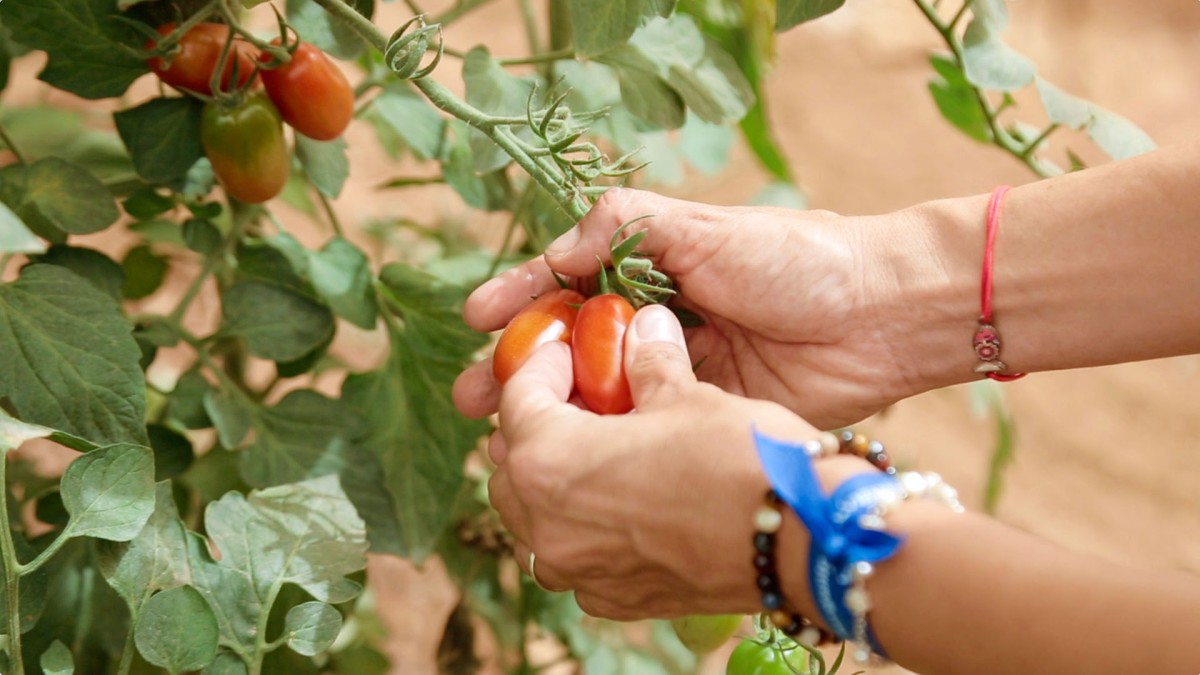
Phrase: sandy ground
pixel 1107 459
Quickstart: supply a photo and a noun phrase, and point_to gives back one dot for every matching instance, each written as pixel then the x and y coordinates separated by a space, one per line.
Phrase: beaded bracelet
pixel 841 594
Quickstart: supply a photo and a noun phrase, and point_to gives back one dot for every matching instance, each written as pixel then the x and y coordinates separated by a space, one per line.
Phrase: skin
pixel 649 514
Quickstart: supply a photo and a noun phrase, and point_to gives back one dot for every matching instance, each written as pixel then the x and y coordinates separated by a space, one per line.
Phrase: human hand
pixel 647 514
pixel 784 296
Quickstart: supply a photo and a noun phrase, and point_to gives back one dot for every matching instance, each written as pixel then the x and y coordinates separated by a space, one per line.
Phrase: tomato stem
pixel 12 577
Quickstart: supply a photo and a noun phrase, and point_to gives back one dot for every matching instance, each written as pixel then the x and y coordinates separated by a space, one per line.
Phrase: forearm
pixel 1091 268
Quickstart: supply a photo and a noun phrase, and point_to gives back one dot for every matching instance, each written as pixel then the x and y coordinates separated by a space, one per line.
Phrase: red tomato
pixel 191 66
pixel 311 93
pixel 598 353
pixel 551 317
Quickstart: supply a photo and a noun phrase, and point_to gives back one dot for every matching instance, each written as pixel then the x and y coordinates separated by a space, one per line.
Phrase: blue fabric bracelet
pixel 839 539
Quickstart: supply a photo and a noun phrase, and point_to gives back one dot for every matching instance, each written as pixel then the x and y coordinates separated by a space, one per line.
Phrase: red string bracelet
pixel 987 338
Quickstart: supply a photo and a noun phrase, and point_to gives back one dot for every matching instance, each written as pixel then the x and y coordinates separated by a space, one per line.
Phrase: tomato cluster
pixel 594 327
pixel 242 127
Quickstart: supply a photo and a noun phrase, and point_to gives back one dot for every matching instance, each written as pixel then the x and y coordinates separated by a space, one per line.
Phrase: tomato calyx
pixel 406 50
pixel 631 273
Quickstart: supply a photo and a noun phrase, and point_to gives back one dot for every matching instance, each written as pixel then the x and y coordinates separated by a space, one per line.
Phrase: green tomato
pixel 244 141
pixel 702 634
pixel 755 658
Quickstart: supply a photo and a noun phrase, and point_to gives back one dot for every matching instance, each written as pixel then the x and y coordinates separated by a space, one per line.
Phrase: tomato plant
pixel 703 633
pixel 752 657
pixel 311 93
pixel 548 318
pixel 244 141
pixel 598 353
pixel 191 64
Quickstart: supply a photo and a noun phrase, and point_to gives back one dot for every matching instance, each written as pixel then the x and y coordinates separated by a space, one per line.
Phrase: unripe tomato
pixel 703 633
pixel 198 51
pixel 548 318
pixel 598 354
pixel 311 93
pixel 245 143
pixel 755 658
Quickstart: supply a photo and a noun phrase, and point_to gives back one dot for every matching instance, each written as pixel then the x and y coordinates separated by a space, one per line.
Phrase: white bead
pixel 870 521
pixel 945 493
pixel 767 519
pixel 862 655
pixel 809 636
pixel 913 483
pixel 857 601
pixel 863 570
pixel 829 444
pixel 812 448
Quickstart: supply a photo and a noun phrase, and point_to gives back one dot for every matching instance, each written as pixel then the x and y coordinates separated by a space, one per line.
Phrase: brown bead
pixel 780 618
pixel 859 445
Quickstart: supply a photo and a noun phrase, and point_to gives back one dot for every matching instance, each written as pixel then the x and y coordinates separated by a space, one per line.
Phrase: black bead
pixel 767 582
pixel 794 626
pixel 764 542
pixel 772 600
pixel 764 564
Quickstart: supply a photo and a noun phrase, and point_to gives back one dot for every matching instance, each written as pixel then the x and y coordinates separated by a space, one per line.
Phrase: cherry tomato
pixel 311 93
pixel 755 658
pixel 703 633
pixel 551 317
pixel 244 141
pixel 598 354
pixel 198 51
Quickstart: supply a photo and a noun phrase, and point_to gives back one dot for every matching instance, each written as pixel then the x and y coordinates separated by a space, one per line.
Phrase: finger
pixel 541 385
pixel 491 306
pixel 510 509
pixel 497 448
pixel 656 357
pixel 539 569
pixel 476 392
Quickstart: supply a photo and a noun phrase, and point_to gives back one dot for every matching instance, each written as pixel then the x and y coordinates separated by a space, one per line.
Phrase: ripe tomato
pixel 311 93
pixel 598 354
pixel 702 633
pixel 755 658
pixel 244 141
pixel 191 67
pixel 551 317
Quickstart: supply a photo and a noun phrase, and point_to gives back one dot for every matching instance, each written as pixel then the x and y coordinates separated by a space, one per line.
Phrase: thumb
pixel 656 357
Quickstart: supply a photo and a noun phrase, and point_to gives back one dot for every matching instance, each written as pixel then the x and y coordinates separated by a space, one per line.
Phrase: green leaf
pixel 146 203
pixel 163 137
pixel 1117 136
pixel 177 630
pixel 226 663
pixel 341 275
pixel 46 131
pixel 301 437
pixel 992 14
pixel 109 492
pixel 185 405
pixel 316 25
pixel 324 163
pixel 791 13
pixel 173 452
pixel 88 47
pixel 411 117
pixel 54 196
pixel 956 99
pixel 15 237
pixel 14 433
pixel 103 273
pixel 415 431
pixel 144 272
pixel 231 414
pixel 312 627
pixel 491 89
pixel 644 93
pixel 1063 108
pixel 77 369
pixel 57 660
pixel 159 231
pixel 278 323
pixel 156 559
pixel 488 191
pixel 991 64
pixel 600 25
pixel 202 236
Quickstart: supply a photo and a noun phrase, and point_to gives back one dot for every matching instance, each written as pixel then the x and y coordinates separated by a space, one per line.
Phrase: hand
pixel 647 514
pixel 784 297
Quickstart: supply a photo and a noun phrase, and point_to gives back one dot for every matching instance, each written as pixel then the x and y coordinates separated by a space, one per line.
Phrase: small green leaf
pixel 317 26
pixel 159 231
pixel 154 560
pixel 991 64
pixel 278 323
pixel 493 90
pixel 601 25
pixel 202 236
pixel 956 99
pixel 15 237
pixel 163 137
pixel 110 492
pixel 54 196
pixel 312 627
pixel 226 663
pixel 410 116
pixel 647 96
pixel 76 363
pixel 177 630
pixel 324 162
pixel 103 273
pixel 488 191
pixel 230 413
pixel 185 404
pixel 144 272
pixel 341 275
pixel 147 203
pixel 57 660
pixel 173 452
pixel 1117 136
pixel 1063 108
pixel 791 13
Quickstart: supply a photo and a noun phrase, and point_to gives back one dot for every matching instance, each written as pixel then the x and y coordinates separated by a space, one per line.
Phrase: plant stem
pixel 192 291
pixel 12 575
pixel 518 210
pixel 12 147
pixel 127 650
pixel 457 11
pixel 35 564
pixel 962 11
pixel 330 213
pixel 546 57
pixel 531 28
pixel 261 646
pixel 276 51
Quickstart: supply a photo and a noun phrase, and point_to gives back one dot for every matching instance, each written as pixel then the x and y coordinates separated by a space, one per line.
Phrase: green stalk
pixel 261 646
pixel 12 576
pixel 127 650
pixel 545 57
pixel 456 12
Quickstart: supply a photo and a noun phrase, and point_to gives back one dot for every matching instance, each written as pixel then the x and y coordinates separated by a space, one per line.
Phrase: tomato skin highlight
pixel 199 50
pixel 311 93
pixel 754 658
pixel 548 318
pixel 245 144
pixel 598 354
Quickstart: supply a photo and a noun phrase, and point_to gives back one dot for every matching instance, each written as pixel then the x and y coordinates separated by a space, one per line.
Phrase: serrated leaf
pixel 277 323
pixel 53 196
pixel 15 237
pixel 791 13
pixel 416 432
pixel 600 25
pixel 956 99
pixel 991 64
pixel 317 26
pixel 177 630
pixel 103 272
pixel 57 660
pixel 491 89
pixel 109 492
pixel 410 116
pixel 311 627
pixel 156 559
pixel 324 163
pixel 73 362
pixel 1117 136
pixel 163 137
pixel 88 48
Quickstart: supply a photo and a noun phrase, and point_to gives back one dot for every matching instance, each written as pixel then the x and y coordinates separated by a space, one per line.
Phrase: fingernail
pixel 657 324
pixel 564 243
